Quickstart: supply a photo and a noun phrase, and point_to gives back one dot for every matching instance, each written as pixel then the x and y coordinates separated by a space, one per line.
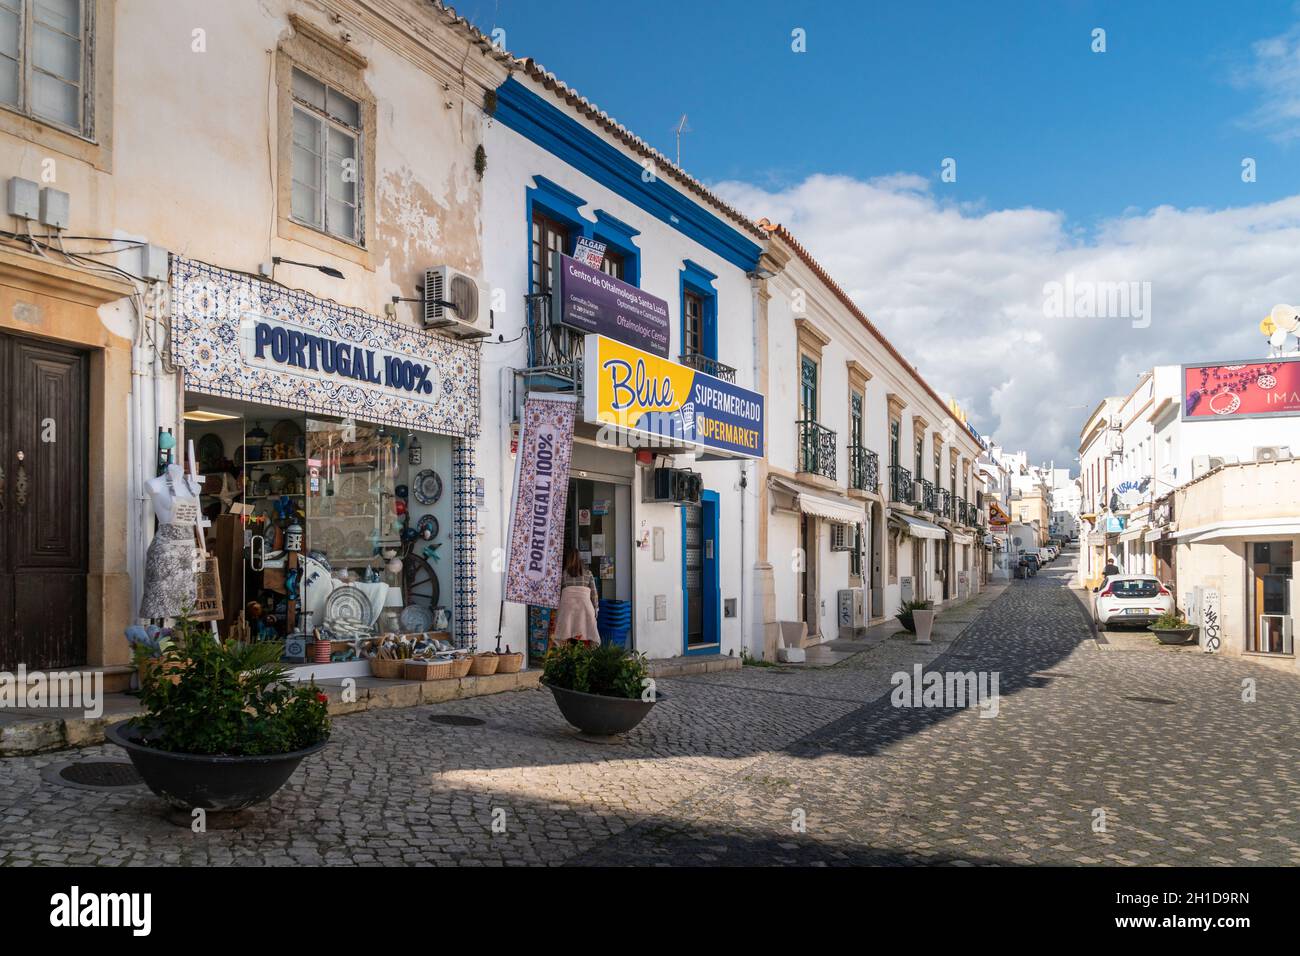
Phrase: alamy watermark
pixel 1086 299
pixel 70 690
pixel 953 690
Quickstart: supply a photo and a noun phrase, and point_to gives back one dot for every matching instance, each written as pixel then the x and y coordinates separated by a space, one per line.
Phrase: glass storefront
pixel 301 505
pixel 1269 569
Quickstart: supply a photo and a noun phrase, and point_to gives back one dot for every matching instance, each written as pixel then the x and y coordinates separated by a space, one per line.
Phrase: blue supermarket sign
pixel 301 351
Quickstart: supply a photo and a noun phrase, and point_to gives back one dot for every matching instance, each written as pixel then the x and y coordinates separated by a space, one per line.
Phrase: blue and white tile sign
pixel 247 339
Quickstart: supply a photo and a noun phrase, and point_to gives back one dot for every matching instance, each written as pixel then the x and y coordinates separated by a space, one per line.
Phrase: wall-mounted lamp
pixel 325 270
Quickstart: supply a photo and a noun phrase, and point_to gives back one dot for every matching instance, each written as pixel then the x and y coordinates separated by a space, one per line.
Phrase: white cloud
pixel 960 291
pixel 1275 71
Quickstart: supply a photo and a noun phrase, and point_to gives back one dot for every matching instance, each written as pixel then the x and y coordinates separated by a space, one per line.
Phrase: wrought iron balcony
pixel 945 503
pixel 816 449
pixel 864 469
pixel 929 495
pixel 554 351
pixel 900 484
pixel 709 366
pixel 963 511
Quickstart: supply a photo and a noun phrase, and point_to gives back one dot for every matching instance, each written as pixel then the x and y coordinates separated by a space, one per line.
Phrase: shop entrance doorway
pixel 700 586
pixel 43 504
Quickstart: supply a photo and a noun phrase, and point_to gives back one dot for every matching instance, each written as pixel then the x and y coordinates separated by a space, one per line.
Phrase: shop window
pixel 920 455
pixel 693 332
pixel 856 402
pixel 45 60
pixel 326 152
pixel 1269 575
pixel 895 444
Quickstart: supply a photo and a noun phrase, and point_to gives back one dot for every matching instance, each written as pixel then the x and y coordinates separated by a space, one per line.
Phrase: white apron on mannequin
pixel 169 581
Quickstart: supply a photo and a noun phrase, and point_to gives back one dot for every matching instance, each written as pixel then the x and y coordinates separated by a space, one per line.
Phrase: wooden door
pixel 43 494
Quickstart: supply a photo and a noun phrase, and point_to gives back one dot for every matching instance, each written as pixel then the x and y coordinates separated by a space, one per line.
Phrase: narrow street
pixel 725 768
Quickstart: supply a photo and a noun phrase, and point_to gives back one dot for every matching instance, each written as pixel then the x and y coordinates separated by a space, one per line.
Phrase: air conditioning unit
pixel 918 493
pixel 456 303
pixel 1272 453
pixel 674 486
pixel 843 537
pixel 1204 464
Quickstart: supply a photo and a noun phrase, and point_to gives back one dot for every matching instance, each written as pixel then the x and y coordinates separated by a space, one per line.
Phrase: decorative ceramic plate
pixel 416 619
pixel 429 524
pixel 347 604
pixel 285 432
pixel 428 487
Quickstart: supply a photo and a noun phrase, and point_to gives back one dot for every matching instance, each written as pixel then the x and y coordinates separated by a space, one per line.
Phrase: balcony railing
pixel 709 366
pixel 816 449
pixel 962 515
pixel 554 351
pixel 864 469
pixel 900 484
pixel 945 503
pixel 929 495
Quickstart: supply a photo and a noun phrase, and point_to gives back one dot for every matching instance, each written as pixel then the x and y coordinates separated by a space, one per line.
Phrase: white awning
pixel 919 528
pixel 1132 534
pixel 831 507
pixel 1155 534
pixel 1258 527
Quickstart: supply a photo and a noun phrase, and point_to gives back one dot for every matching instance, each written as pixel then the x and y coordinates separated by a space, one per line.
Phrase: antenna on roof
pixel 680 128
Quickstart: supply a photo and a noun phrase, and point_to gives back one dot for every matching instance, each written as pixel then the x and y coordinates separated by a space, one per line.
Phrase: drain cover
pixel 457 720
pixel 101 773
pixel 1151 700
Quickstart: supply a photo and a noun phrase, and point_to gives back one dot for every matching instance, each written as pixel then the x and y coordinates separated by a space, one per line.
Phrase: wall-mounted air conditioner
pixel 456 303
pixel 1272 453
pixel 918 493
pixel 678 486
pixel 1204 464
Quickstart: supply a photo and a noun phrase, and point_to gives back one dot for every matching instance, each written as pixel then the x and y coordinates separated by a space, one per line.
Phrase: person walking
pixel 579 602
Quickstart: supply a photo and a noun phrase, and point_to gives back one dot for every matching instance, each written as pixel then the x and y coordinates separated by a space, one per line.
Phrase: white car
pixel 1131 599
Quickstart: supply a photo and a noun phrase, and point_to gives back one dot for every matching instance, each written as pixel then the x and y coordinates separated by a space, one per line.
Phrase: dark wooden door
pixel 43 501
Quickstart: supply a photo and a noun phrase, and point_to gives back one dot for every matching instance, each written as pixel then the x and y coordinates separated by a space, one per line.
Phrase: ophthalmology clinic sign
pixel 648 395
pixel 587 299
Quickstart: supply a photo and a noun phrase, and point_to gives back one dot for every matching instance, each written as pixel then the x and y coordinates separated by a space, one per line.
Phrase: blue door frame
pixel 710 583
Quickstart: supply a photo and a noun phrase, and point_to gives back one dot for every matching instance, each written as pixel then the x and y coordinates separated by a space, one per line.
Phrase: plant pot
pixel 601 716
pixel 1173 635
pixel 212 782
pixel 320 652
pixel 924 621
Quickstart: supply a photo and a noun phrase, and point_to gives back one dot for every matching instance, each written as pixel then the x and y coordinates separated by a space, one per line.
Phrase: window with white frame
pixel 45 61
pixel 326 158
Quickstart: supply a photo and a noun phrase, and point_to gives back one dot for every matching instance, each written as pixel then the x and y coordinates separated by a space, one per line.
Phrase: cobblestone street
pixel 1161 741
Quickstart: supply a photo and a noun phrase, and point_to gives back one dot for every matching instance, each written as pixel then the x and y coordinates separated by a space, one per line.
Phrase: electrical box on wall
pixel 23 198
pixel 153 263
pixel 56 208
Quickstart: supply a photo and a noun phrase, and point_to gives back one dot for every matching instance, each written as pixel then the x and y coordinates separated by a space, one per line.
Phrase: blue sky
pixel 1012 91
pixel 1115 167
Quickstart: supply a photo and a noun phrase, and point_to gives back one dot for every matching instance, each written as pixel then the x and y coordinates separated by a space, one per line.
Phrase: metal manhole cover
pixel 1151 700
pixel 101 773
pixel 457 720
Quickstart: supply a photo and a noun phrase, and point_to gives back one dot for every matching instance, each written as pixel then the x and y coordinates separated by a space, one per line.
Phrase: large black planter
pixel 211 782
pixel 601 716
pixel 1173 635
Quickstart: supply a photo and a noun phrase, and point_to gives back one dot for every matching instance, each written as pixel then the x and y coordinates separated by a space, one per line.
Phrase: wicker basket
pixel 510 663
pixel 429 670
pixel 387 668
pixel 460 667
pixel 482 665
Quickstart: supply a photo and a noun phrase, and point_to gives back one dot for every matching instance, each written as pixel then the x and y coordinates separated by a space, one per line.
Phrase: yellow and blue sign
pixel 669 402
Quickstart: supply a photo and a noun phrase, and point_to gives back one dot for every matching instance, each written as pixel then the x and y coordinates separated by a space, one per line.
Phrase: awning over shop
pixel 1259 527
pixel 918 528
pixel 1132 534
pixel 1155 534
pixel 962 538
pixel 831 507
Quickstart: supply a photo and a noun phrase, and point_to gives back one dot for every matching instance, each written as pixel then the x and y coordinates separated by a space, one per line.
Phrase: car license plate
pixel 1137 610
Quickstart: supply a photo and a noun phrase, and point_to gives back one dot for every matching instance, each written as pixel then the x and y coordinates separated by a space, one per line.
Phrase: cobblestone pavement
pixel 721 770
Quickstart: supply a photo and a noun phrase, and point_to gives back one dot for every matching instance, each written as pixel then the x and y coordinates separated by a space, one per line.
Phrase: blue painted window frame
pixel 699 280
pixel 556 203
pixel 619 237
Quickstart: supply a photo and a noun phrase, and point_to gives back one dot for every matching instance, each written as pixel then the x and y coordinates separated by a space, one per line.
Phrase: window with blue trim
pixel 699 311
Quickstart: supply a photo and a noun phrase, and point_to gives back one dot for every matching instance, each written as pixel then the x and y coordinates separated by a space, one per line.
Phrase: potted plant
pixel 600 690
pixel 1172 628
pixel 223 728
pixel 906 616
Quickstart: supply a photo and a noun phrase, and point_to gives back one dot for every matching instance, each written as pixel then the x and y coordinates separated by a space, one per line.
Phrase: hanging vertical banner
pixel 535 553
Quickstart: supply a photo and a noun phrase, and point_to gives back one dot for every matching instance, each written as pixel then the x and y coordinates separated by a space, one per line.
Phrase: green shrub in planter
pixel 606 669
pixel 905 613
pixel 1170 621
pixel 229 699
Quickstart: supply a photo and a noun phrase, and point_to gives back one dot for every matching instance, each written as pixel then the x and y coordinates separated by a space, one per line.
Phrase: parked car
pixel 1131 599
pixel 1031 558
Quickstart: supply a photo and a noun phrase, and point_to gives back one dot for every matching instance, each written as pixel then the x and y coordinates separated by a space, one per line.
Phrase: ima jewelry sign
pixel 1244 390
pixel 536 541
pixel 671 403
pixel 591 301
pixel 251 340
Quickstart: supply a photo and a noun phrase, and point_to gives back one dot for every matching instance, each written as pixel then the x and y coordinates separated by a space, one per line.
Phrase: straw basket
pixel 386 668
pixel 510 663
pixel 483 665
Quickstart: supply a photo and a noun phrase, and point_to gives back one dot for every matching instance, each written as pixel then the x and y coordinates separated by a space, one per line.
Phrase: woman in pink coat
pixel 579 602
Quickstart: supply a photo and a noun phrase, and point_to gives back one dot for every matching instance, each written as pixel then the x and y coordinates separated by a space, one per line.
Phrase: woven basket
pixel 387 668
pixel 482 665
pixel 429 670
pixel 510 663
pixel 459 668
